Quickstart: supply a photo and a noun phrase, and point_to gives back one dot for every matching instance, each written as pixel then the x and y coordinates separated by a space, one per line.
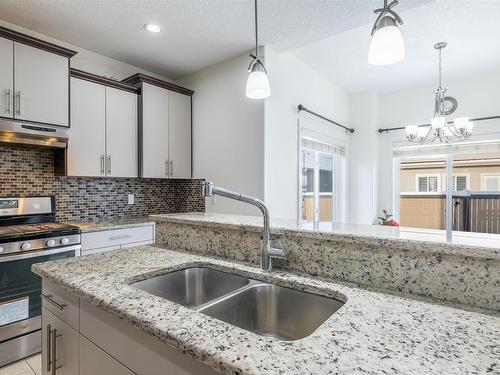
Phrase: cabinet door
pixel 41 82
pixel 94 361
pixel 121 133
pixel 6 77
pixel 87 135
pixel 179 135
pixel 154 131
pixel 59 342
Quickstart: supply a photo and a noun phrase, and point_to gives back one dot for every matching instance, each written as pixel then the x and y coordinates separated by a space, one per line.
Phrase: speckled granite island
pixel 372 333
pixel 466 271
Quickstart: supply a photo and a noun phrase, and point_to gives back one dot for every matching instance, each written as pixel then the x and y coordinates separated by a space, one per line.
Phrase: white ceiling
pixel 197 33
pixel 470 28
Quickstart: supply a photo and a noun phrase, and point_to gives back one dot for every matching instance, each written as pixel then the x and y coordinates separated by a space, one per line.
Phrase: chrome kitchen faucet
pixel 268 251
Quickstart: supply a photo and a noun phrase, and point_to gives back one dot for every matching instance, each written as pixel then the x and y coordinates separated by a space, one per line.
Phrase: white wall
pixel 363 171
pixel 476 98
pixel 228 133
pixel 293 83
pixel 87 60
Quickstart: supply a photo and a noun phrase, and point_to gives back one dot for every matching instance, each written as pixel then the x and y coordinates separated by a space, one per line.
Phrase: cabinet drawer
pixel 109 238
pixel 95 361
pixel 142 353
pixel 63 304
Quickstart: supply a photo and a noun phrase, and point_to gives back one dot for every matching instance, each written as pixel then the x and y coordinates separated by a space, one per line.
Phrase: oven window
pixel 20 288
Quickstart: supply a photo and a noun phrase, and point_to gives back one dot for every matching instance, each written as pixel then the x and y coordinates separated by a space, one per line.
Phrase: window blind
pixel 312 144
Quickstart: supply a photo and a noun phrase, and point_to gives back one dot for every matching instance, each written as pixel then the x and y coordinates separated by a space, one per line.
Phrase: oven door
pixel 20 290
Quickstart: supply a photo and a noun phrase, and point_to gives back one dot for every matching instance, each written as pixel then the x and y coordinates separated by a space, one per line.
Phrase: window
pixel 428 184
pixel 490 182
pixel 422 198
pixel 460 182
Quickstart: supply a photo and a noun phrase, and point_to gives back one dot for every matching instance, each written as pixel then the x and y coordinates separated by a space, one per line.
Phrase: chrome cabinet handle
pixel 54 351
pixel 49 356
pixel 167 168
pixel 171 168
pixel 108 163
pixel 18 106
pixel 7 94
pixel 102 164
pixel 48 298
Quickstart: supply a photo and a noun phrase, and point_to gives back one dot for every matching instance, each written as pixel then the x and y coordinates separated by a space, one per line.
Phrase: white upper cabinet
pixel 179 135
pixel 164 128
pixel 155 107
pixel 6 77
pixel 41 84
pixel 121 133
pixel 87 135
pixel 103 139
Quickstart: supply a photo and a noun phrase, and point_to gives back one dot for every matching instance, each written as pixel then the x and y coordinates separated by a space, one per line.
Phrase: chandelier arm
pixel 461 137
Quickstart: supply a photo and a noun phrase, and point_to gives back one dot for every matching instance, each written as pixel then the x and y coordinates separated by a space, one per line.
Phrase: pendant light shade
pixel 257 83
pixel 387 45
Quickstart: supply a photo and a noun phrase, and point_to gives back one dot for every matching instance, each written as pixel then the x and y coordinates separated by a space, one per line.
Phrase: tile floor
pixel 28 366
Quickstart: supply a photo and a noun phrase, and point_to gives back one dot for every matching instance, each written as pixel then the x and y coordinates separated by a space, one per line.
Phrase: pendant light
pixel 257 83
pixel 387 45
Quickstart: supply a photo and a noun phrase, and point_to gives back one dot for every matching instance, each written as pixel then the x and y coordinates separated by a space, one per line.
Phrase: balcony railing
pixel 479 212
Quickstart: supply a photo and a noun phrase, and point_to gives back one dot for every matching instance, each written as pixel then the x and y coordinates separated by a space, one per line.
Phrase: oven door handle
pixel 41 253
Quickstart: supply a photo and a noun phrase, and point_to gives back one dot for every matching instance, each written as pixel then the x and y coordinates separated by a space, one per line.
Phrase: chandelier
pixel 440 129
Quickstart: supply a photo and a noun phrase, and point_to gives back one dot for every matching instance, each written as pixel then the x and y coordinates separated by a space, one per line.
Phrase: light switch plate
pixel 131 199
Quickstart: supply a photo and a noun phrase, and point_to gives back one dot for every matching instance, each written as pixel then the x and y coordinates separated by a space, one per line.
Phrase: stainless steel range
pixel 28 235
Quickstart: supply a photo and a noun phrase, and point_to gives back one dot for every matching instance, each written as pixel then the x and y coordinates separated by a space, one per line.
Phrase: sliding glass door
pixel 321 175
pixel 449 187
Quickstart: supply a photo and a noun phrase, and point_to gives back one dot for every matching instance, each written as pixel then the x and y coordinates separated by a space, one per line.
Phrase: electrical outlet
pixel 131 199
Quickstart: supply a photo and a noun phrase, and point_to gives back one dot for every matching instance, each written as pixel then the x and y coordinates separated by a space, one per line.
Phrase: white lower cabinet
pixel 108 345
pixel 93 361
pixel 106 240
pixel 60 346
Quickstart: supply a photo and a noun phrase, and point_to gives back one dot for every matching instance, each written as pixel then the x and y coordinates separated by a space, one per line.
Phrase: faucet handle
pixel 277 251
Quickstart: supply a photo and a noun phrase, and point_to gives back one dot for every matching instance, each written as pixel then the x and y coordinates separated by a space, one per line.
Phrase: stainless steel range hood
pixel 35 135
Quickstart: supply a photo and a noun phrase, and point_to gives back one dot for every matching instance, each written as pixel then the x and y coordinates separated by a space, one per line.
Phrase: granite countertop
pixel 466 244
pixel 112 224
pixel 372 333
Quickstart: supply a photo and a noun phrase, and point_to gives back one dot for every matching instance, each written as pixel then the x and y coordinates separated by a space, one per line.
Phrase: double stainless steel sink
pixel 263 308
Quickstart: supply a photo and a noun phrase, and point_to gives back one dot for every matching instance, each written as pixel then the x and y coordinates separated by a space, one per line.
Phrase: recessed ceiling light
pixel 151 27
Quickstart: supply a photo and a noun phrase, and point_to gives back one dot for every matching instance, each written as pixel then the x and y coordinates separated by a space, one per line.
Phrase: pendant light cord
pixel 440 68
pixel 256 32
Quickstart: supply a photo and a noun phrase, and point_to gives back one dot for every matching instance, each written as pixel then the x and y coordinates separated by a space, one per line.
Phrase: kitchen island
pixel 372 332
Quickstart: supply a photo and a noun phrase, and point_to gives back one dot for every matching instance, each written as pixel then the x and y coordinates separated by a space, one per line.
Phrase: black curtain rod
pixel 387 130
pixel 300 107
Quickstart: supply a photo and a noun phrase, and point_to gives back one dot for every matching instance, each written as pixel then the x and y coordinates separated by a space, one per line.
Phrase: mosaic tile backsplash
pixel 29 172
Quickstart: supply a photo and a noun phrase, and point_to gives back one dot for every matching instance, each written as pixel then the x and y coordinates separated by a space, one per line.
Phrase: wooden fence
pixel 478 213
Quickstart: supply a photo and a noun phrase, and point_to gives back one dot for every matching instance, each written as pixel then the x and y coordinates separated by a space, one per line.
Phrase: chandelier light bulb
pixel 438 122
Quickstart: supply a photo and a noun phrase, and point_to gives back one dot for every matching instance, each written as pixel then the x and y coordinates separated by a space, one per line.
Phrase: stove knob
pixel 51 243
pixel 26 246
pixel 64 241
